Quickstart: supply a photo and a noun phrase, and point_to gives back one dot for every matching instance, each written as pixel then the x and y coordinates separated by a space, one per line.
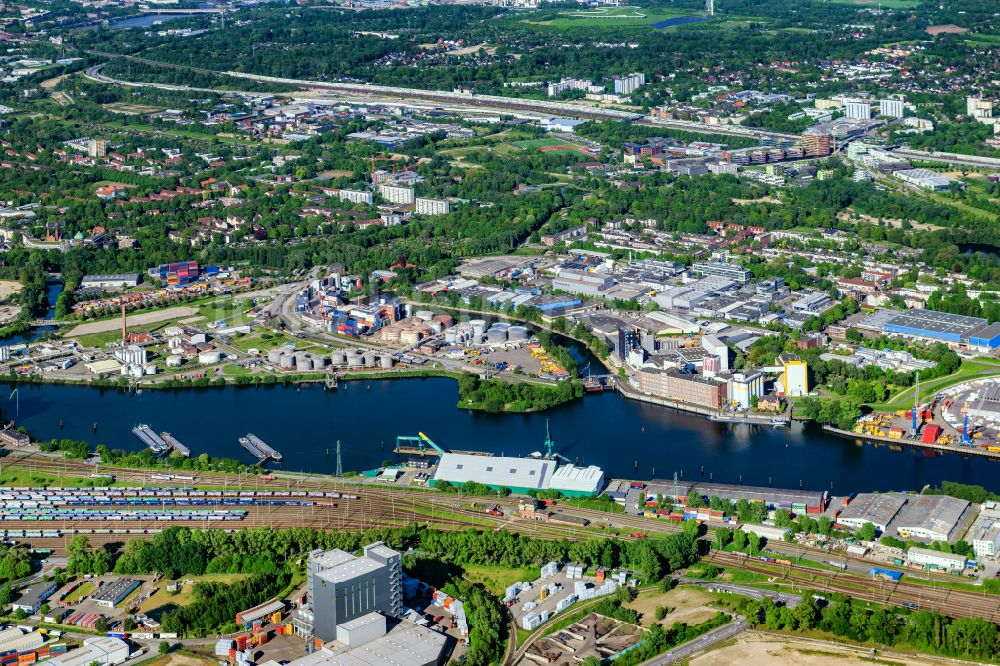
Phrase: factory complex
pixel 972 333
pixel 520 475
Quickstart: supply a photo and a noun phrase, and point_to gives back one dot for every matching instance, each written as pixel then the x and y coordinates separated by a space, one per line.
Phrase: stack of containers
pixel 530 621
pixel 550 569
pixel 565 603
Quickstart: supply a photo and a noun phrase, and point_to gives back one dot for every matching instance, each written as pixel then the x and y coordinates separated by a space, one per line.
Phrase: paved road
pixel 699 644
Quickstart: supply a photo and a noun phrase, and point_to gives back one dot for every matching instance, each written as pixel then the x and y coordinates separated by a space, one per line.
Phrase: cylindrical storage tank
pixel 478 326
pixel 124 370
pixel 136 370
pixel 274 356
pixel 449 336
pixel 435 326
pixel 367 359
pixel 304 364
pixel 386 362
pixel 301 358
pixel 497 335
pixel 446 320
pixel 390 335
pixel 409 337
pixel 425 315
pixel 175 361
pixel 338 358
pixel 517 333
pixel 354 360
pixel 209 357
pixel 320 362
pixel 149 369
pixel 287 361
pixel 501 324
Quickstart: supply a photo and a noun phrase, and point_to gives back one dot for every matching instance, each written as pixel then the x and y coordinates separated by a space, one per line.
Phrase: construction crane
pixel 379 159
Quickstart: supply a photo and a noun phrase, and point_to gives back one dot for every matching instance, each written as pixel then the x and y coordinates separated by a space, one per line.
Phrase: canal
pixel 604 429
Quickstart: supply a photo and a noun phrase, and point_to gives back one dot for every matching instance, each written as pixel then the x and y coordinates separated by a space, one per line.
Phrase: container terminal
pixel 150 439
pixel 259 448
pixel 173 443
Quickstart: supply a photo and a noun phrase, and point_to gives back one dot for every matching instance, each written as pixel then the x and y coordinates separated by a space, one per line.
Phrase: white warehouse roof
pixel 104 651
pixel 526 473
pixel 578 479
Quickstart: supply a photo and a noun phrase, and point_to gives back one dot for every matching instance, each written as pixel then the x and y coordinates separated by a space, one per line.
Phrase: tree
pixel 722 536
pixel 102 624
pixel 806 613
pixel 868 532
pixel 660 613
pixel 739 539
pixel 164 647
pixel 753 541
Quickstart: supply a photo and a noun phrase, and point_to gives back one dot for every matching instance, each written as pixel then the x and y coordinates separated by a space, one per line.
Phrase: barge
pixel 259 448
pixel 150 439
pixel 173 443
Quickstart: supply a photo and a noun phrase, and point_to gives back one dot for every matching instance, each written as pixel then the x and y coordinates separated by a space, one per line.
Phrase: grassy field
pixel 498 579
pixel 185 596
pixel 969 370
pixel 80 593
pixel 607 17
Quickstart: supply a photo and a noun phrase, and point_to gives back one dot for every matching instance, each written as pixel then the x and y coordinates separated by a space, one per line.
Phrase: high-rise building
pixel 355 196
pixel 341 587
pixel 891 108
pixel 432 206
pixel 977 107
pixel 396 194
pixel 626 85
pixel 794 376
pixel 97 148
pixel 816 144
pixel 857 109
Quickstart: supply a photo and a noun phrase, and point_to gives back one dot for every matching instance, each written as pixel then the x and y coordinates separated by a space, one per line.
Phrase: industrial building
pixel 14 639
pixel 744 388
pixel 794 375
pixel 680 386
pixel 367 641
pixel 342 588
pixel 722 269
pixel 934 518
pixel 935 559
pixel 110 281
pixel 33 597
pixel 799 501
pixel 581 282
pixel 925 179
pixel 520 475
pixel 875 508
pixel 952 329
pixel 103 651
pixel 984 535
pixel 114 592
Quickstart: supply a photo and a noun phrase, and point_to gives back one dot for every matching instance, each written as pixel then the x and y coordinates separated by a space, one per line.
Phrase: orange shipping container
pixel 276 617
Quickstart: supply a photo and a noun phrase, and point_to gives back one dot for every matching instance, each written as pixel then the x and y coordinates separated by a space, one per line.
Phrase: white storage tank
pixel 518 333
pixel 209 357
pixel 436 326
pixel 304 363
pixel 149 369
pixel 274 356
pixel 478 326
pixel 354 360
pixel 425 315
pixel 175 361
pixel 497 335
pixel 338 358
pixel 287 361
pixel 386 362
pixel 450 336
pixel 320 362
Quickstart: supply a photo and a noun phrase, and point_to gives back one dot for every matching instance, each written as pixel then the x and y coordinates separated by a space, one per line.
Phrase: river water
pixel 604 429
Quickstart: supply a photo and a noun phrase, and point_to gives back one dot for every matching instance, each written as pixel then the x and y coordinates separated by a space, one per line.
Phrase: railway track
pixel 953 603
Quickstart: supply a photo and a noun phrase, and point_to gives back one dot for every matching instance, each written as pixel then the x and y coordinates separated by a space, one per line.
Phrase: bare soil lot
pixel 132 320
pixel 9 288
pixel 686 604
pixel 778 650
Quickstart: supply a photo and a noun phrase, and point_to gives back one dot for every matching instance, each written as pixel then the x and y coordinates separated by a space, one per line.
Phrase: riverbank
pixel 914 443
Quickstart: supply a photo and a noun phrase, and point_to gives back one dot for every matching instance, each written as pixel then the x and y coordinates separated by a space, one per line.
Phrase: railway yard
pixel 137 505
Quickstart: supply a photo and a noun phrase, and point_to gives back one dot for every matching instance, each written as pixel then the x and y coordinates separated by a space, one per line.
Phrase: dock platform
pixel 150 439
pixel 259 448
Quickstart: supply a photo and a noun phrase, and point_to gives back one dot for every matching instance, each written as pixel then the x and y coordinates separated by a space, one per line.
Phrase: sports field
pixel 550 145
pixel 606 17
